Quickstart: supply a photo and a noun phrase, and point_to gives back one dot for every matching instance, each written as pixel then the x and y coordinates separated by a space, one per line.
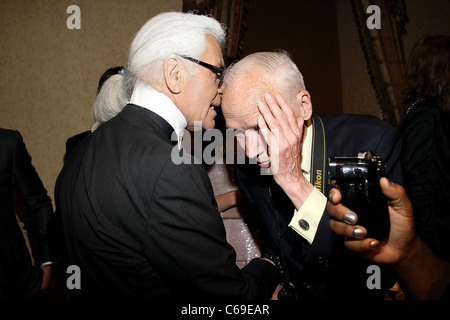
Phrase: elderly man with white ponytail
pixel 135 223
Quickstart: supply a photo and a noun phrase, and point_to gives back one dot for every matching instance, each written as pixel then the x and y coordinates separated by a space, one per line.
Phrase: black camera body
pixel 358 181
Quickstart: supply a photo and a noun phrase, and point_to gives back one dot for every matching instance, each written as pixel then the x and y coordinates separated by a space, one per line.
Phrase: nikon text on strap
pixel 318 154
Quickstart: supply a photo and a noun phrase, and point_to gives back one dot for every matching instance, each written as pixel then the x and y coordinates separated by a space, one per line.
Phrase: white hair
pixel 168 33
pixel 277 72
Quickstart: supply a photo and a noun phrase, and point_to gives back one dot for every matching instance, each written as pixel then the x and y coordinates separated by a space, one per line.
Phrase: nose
pixel 254 146
pixel 217 100
pixel 256 152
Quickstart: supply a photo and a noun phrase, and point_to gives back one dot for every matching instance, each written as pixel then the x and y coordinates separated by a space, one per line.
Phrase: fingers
pixel 362 246
pixel 343 220
pixel 286 113
pixel 263 129
pixel 275 293
pixel 335 196
pixel 338 211
pixel 346 230
pixel 270 106
pixel 267 115
pixel 46 275
pixel 343 223
pixel 266 125
pixel 279 116
pixel 251 137
pixel 355 236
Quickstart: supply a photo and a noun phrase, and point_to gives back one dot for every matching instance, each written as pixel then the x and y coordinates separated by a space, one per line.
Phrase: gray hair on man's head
pixel 168 33
pixel 276 72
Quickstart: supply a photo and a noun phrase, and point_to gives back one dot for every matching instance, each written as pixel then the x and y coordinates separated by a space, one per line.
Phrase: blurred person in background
pixel 425 134
pixel 19 278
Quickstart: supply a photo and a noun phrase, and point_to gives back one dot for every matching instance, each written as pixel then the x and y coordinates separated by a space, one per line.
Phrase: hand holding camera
pixel 357 179
pixel 392 242
pixel 423 274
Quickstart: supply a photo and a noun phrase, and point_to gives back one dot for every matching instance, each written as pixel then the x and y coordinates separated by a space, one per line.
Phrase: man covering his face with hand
pixel 264 95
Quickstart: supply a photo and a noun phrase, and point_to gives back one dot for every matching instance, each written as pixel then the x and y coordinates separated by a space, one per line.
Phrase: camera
pixel 358 181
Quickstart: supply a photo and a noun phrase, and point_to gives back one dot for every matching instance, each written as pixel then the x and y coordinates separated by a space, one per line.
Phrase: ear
pixel 173 74
pixel 304 101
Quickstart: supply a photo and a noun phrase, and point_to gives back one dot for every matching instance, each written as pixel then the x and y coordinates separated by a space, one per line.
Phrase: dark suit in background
pixel 323 270
pixel 140 226
pixel 19 279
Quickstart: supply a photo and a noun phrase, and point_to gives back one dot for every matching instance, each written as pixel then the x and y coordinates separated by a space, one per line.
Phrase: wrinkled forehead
pixel 240 106
pixel 240 100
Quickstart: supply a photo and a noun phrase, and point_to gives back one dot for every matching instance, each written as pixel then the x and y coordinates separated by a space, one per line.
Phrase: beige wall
pixel 358 95
pixel 49 74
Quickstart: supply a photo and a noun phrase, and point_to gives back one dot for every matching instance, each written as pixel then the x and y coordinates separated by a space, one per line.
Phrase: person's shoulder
pixel 147 152
pixel 76 138
pixel 10 134
pixel 420 113
pixel 9 139
pixel 425 106
pixel 182 171
pixel 182 160
pixel 355 121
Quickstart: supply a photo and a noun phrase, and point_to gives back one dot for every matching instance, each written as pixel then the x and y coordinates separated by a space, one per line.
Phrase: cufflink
pixel 303 224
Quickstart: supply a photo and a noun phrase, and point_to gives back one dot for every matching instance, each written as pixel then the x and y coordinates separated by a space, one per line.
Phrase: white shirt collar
pixel 148 97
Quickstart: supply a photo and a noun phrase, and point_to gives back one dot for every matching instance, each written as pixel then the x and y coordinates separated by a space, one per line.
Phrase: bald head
pixel 247 81
pixel 276 68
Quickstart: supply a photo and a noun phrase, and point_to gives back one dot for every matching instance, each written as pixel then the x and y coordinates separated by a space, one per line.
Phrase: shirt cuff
pixel 306 220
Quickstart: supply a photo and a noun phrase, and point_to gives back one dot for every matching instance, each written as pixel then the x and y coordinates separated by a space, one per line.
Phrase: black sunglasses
pixel 219 71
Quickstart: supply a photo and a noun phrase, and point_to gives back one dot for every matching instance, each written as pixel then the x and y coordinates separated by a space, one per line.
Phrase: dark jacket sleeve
pixel 34 196
pixel 196 260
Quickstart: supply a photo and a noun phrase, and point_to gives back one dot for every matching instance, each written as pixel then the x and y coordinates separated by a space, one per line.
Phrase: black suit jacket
pixel 322 270
pixel 73 141
pixel 18 278
pixel 140 226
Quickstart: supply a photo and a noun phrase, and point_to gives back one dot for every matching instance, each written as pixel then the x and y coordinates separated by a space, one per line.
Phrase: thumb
pixel 397 196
